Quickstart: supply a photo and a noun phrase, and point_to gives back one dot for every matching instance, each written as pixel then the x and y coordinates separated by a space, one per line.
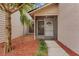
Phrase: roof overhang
pixel 41 8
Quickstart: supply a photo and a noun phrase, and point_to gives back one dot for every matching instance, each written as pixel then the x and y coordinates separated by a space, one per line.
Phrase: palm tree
pixel 25 20
pixel 11 8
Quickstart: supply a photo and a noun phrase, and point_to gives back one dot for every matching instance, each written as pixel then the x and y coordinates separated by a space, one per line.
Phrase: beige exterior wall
pixel 2 26
pixel 17 28
pixel 49 10
pixel 68 25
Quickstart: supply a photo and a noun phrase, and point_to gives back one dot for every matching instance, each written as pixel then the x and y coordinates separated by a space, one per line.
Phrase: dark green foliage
pixel 42 45
pixel 43 50
pixel 25 20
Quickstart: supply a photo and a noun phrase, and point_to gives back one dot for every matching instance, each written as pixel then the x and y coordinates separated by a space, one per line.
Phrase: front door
pixel 40 27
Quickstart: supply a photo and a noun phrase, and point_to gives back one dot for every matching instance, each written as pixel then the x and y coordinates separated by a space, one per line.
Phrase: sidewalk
pixel 54 49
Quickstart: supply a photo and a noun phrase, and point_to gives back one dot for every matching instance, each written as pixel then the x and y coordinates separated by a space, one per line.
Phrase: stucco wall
pixel 49 10
pixel 68 25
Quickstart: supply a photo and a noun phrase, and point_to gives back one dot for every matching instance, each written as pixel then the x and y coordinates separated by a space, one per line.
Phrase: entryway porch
pixel 45 27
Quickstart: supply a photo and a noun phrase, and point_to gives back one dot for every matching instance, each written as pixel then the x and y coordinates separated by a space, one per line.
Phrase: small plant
pixel 42 45
pixel 43 50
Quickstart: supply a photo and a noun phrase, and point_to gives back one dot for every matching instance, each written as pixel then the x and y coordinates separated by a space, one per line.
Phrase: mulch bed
pixel 23 46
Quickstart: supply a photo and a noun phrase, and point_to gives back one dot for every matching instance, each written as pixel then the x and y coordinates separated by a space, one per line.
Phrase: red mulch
pixel 1 49
pixel 23 46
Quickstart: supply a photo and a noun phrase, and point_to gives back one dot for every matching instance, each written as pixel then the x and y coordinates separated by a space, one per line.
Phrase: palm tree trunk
pixel 8 32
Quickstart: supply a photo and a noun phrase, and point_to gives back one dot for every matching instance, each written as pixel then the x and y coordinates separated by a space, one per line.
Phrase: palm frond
pixel 23 14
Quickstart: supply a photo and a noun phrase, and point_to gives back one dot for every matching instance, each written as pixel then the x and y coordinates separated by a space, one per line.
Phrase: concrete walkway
pixel 54 49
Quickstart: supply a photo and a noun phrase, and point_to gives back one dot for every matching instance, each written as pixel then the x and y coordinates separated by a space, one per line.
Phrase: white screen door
pixel 48 27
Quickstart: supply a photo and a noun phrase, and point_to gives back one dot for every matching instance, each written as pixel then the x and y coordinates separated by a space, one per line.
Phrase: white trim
pixel 47 14
pixel 34 30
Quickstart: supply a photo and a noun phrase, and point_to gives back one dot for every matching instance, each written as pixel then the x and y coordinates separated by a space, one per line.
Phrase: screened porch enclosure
pixel 46 27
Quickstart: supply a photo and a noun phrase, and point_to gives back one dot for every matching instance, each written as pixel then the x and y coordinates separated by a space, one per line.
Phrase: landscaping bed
pixel 42 49
pixel 22 46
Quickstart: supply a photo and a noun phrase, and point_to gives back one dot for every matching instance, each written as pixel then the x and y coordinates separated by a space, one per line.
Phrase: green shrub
pixel 42 51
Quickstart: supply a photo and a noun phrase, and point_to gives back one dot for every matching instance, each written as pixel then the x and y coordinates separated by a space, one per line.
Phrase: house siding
pixel 2 26
pixel 17 28
pixel 68 25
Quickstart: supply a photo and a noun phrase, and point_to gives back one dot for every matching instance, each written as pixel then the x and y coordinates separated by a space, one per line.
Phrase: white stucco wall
pixel 68 25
